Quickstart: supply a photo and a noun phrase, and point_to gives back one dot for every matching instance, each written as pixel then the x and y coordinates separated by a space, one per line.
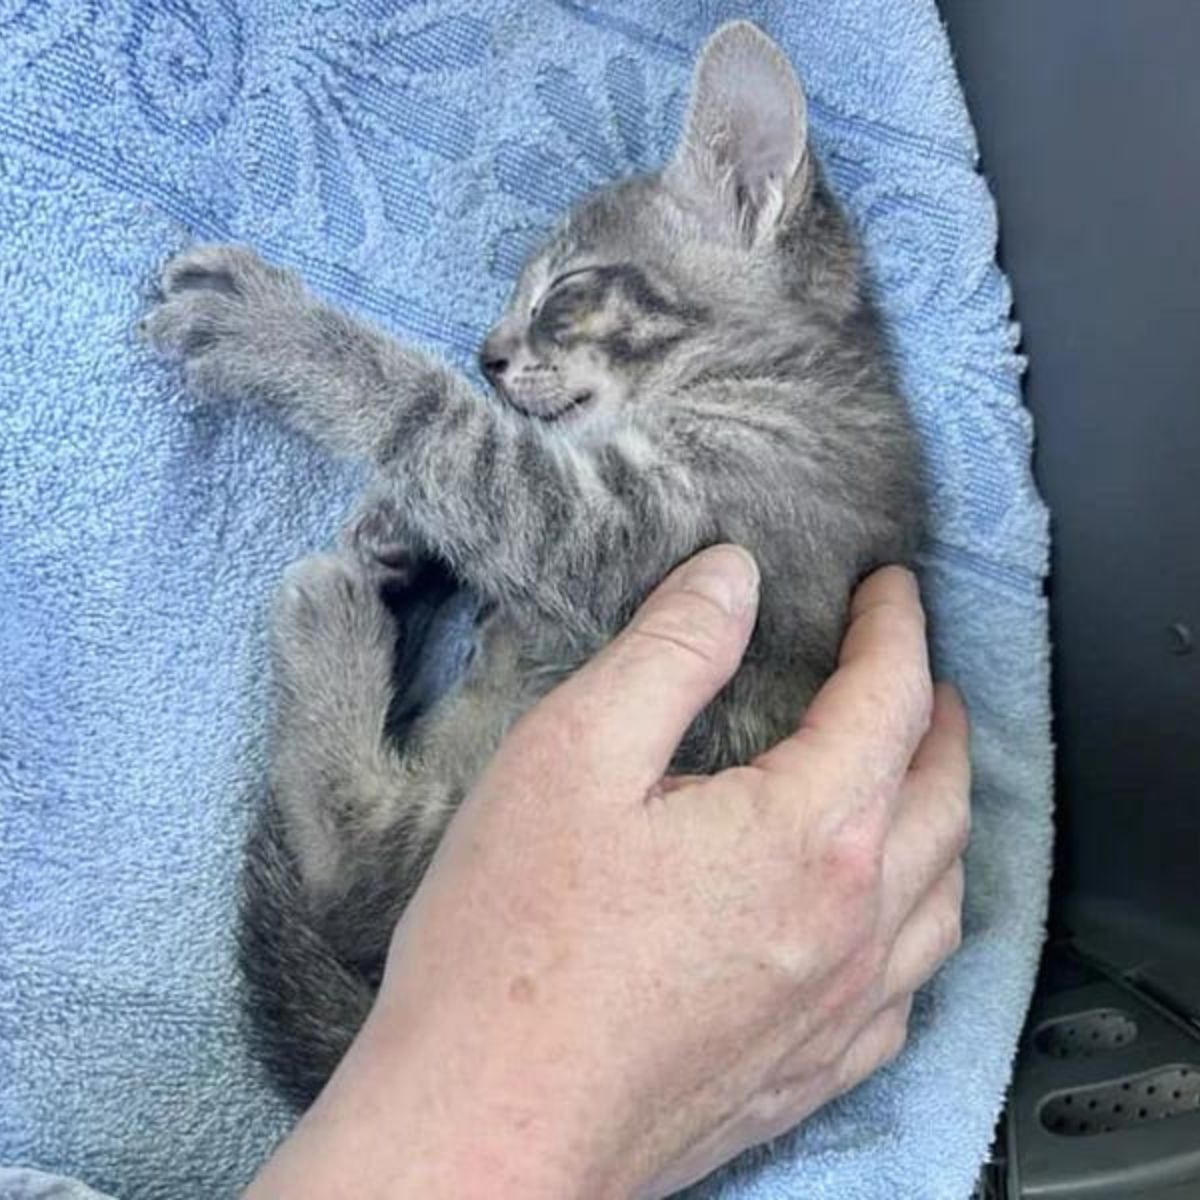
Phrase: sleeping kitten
pixel 692 357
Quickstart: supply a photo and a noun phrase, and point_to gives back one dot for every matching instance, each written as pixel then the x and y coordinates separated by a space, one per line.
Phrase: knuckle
pixel 855 858
pixel 689 625
pixel 950 788
pixel 960 834
pixel 859 979
pixel 772 1109
pixel 829 1052
pixel 916 691
pixel 871 967
pixel 957 884
pixel 944 809
pixel 949 827
pixel 948 930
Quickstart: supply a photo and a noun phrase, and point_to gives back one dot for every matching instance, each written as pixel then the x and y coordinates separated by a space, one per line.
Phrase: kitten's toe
pixel 180 331
pixel 227 270
pixel 377 537
pixel 218 315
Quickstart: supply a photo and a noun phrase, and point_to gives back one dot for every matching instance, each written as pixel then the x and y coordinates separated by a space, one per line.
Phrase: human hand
pixel 610 983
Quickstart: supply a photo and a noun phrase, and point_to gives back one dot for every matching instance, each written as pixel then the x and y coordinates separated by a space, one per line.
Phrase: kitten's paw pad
pixel 215 312
pixel 228 270
pixel 180 331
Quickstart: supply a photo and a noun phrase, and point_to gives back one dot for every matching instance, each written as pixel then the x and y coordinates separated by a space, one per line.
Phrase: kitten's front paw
pixel 219 313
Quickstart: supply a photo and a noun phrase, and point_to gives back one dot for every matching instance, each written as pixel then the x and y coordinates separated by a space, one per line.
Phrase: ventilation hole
pixel 1166 1093
pixel 1084 1035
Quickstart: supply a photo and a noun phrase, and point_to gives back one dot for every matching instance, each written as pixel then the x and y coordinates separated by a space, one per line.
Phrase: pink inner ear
pixel 747 126
pixel 766 145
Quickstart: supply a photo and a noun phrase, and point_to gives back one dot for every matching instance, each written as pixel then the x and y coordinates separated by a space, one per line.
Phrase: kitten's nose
pixel 495 355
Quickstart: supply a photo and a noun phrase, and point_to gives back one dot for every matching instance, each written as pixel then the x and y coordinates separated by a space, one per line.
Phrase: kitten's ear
pixel 743 157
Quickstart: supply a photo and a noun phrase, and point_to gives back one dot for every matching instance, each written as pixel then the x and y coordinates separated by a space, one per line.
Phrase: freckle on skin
pixel 521 989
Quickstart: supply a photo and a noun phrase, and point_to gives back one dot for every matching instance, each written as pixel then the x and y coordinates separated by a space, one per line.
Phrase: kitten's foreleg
pixel 243 329
pixel 518 513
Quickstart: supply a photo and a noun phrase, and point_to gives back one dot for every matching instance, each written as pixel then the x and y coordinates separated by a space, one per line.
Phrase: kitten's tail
pixel 303 1004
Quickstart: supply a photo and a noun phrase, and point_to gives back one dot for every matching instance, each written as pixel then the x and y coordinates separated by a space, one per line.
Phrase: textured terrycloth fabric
pixel 21 1183
pixel 402 154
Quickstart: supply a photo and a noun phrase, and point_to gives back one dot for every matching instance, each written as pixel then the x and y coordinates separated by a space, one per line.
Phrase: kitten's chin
pixel 550 413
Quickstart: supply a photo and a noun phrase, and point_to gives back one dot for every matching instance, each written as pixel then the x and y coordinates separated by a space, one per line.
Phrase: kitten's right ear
pixel 743 157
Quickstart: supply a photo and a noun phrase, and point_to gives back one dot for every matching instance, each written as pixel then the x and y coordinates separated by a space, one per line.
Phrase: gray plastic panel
pixel 1088 113
pixel 1112 1118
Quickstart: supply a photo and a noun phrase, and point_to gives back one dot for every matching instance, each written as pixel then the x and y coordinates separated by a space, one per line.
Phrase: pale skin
pixel 611 982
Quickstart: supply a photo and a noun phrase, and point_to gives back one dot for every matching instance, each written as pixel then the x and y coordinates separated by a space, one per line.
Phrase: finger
pixel 875 708
pixel 930 936
pixel 948 735
pixel 882 684
pixel 631 705
pixel 933 819
pixel 881 1039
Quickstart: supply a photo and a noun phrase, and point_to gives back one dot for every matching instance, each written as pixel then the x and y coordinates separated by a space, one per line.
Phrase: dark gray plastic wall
pixel 1088 114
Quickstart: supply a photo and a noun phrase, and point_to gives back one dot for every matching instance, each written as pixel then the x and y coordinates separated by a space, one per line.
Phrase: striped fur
pixel 692 357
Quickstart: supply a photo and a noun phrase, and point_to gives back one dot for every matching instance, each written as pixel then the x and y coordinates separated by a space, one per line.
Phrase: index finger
pixel 871 714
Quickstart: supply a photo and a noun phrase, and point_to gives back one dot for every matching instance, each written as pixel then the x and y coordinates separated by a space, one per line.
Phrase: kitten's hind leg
pixel 333 777
pixel 362 652
pixel 344 835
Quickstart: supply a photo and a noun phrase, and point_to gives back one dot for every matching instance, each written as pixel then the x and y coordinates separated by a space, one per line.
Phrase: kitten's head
pixel 669 276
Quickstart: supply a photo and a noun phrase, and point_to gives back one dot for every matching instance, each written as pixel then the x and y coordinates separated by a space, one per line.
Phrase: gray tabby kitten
pixel 692 357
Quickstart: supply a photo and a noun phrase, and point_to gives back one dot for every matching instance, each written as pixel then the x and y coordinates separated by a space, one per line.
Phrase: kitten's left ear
pixel 743 157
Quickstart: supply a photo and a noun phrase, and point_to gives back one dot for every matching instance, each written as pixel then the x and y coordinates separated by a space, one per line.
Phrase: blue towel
pixel 402 154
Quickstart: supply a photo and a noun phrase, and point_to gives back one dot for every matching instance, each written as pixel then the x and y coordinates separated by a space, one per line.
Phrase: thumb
pixel 635 700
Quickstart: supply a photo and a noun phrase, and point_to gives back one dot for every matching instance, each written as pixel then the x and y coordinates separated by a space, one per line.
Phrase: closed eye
pixel 556 283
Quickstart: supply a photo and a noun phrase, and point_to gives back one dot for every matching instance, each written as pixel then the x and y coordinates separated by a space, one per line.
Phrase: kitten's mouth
pixel 548 416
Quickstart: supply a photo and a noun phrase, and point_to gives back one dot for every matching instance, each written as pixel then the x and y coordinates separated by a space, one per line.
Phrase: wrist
pixel 470 1118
